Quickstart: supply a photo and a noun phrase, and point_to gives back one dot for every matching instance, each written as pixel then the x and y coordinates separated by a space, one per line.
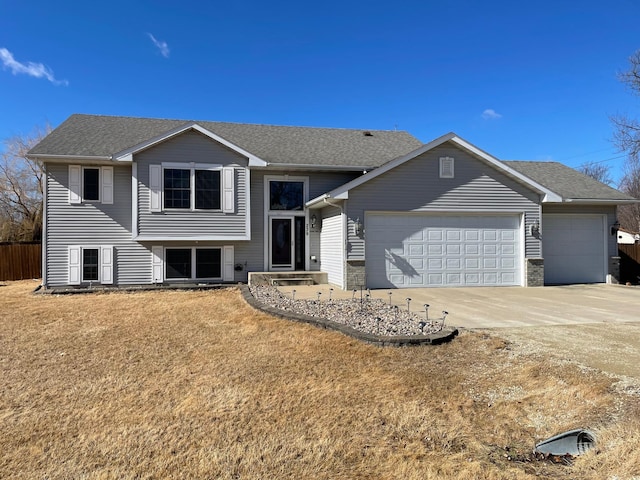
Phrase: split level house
pixel 141 201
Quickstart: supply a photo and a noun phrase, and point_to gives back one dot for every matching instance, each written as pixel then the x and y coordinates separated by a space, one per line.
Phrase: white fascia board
pixel 331 168
pixel 127 155
pixel 62 159
pixel 599 201
pixel 315 201
pixel 190 238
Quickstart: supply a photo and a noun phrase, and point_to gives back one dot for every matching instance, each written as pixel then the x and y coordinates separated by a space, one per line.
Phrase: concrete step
pixel 285 282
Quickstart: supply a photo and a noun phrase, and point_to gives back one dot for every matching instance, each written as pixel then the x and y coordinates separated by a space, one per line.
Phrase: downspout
pixel 43 239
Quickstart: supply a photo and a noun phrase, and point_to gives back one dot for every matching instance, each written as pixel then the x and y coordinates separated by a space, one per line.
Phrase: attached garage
pixel 425 250
pixel 574 247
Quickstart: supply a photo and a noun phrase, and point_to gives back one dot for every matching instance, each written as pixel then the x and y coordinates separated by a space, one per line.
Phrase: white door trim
pixel 269 214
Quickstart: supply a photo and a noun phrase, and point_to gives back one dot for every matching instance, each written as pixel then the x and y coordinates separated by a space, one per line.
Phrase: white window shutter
pixel 228 274
pixel 106 265
pixel 74 265
pixel 75 184
pixel 157 254
pixel 155 188
pixel 228 188
pixel 107 185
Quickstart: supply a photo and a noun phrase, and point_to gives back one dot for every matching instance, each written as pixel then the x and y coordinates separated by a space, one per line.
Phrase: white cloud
pixel 162 46
pixel 490 114
pixel 32 69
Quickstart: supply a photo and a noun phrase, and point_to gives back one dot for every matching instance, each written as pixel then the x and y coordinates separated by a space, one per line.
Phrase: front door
pixel 286 243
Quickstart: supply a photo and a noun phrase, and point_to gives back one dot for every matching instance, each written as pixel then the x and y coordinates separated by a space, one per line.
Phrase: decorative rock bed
pixel 370 320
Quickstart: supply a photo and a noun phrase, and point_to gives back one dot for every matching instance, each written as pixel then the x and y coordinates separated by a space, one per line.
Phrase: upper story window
pixel 286 195
pixel 90 184
pixel 177 188
pixel 192 188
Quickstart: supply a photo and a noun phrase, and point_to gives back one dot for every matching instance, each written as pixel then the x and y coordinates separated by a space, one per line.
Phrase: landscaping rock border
pixel 445 335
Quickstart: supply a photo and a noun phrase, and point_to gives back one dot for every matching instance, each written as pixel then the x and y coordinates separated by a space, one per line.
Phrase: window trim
pixel 286 178
pixel 193 264
pixel 82 264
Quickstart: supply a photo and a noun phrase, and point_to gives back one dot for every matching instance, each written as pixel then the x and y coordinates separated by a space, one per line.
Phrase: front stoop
pixel 281 279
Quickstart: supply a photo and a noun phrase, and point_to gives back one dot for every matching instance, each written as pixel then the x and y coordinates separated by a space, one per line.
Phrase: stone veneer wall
pixel 614 270
pixel 535 272
pixel 356 276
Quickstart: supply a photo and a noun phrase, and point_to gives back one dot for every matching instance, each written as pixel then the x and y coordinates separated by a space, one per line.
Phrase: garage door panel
pixel 442 250
pixel 574 248
pixel 472 279
pixel 509 249
pixel 490 249
pixel 417 263
pixel 454 279
pixel 472 249
pixel 471 263
pixel 435 235
pixel 472 235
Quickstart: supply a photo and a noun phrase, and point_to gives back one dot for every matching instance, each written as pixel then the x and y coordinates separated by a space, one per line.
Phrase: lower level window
pixel 178 262
pixel 90 264
pixel 193 263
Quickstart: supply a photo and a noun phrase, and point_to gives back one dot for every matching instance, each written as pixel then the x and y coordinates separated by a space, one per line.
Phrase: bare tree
pixel 597 171
pixel 629 215
pixel 21 188
pixel 627 139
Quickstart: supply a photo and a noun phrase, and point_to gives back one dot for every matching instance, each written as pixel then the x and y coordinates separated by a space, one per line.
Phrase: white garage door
pixel 418 250
pixel 574 248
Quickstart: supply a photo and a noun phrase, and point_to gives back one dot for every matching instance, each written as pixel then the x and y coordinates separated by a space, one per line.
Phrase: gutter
pixel 65 159
pixel 600 201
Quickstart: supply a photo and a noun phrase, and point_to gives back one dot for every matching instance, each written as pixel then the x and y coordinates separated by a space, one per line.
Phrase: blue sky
pixel 522 81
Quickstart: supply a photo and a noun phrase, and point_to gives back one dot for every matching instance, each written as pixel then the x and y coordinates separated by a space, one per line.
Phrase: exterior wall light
pixel 615 227
pixel 534 229
pixel 314 220
pixel 358 227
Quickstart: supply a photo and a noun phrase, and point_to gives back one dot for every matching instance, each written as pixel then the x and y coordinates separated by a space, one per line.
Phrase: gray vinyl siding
pixel 609 211
pixel 332 248
pixel 314 247
pixel 416 186
pixel 197 148
pixel 92 224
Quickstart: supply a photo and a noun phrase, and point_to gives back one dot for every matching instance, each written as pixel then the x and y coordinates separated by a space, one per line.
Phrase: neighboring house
pixel 132 201
pixel 627 238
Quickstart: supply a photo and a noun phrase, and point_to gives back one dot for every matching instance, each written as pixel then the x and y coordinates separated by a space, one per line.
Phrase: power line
pixel 605 160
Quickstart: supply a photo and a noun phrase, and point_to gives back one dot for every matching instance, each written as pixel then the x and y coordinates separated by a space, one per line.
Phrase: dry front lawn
pixel 189 384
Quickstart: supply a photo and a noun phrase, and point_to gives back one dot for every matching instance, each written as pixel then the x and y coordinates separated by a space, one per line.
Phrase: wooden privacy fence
pixel 20 260
pixel 629 263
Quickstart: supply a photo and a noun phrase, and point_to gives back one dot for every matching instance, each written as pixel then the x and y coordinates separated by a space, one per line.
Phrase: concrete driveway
pixel 508 307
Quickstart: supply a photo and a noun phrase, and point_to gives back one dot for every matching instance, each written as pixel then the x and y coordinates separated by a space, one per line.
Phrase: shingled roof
pixel 103 136
pixel 567 182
